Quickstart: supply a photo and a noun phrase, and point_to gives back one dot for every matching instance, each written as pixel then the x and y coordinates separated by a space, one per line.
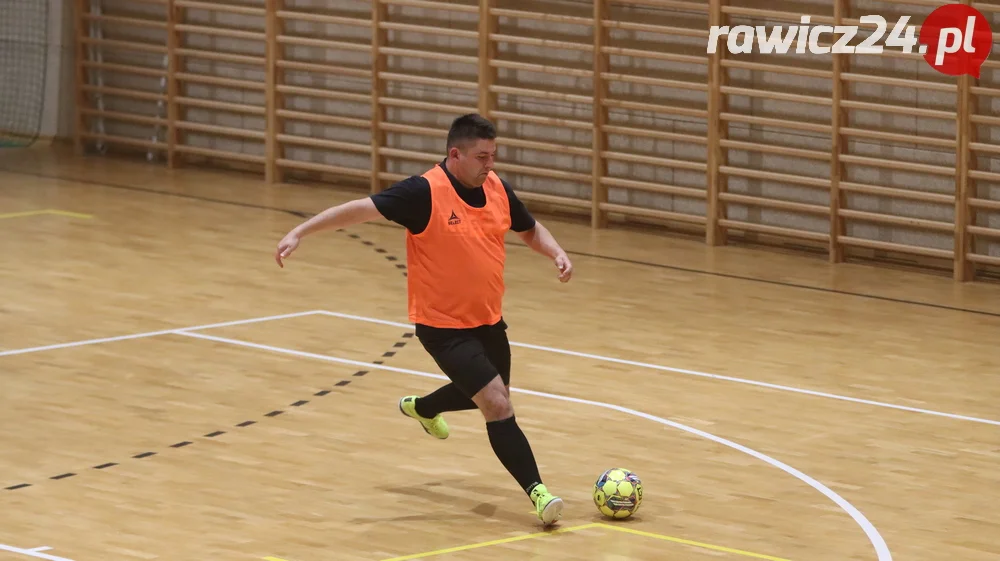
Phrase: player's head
pixel 472 149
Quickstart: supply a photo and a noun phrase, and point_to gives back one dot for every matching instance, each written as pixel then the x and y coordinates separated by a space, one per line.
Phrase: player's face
pixel 476 162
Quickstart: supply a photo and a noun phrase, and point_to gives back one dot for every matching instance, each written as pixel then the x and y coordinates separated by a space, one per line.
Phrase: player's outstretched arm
pixel 340 216
pixel 541 240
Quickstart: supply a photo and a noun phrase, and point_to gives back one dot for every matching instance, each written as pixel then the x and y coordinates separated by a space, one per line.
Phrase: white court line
pixel 33 552
pixel 702 374
pixel 152 334
pixel 881 549
pixel 37 552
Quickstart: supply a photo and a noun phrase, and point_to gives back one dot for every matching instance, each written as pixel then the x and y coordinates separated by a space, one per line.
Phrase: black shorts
pixel 471 358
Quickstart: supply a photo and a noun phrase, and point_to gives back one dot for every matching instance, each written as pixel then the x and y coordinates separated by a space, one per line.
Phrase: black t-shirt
pixel 408 203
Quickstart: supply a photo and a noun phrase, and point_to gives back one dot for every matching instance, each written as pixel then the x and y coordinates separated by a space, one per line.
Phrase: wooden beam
pixel 487 52
pixel 714 233
pixel 838 120
pixel 964 215
pixel 380 12
pixel 79 119
pixel 272 149
pixel 599 169
pixel 174 15
pixel 964 269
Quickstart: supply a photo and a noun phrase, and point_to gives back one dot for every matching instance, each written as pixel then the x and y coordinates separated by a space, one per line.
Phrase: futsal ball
pixel 618 493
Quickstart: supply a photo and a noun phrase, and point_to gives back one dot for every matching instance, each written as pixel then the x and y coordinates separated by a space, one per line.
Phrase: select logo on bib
pixel 454 220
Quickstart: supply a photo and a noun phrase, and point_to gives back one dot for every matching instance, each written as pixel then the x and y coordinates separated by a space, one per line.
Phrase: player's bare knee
pixel 503 407
pixel 498 410
pixel 494 402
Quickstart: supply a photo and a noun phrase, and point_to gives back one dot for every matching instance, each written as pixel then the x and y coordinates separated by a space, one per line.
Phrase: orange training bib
pixel 456 265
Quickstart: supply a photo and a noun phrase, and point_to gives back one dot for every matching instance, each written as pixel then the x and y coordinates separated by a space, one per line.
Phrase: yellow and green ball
pixel 618 493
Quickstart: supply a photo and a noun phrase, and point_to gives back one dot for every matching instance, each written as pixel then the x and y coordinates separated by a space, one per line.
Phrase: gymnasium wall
pixel 875 156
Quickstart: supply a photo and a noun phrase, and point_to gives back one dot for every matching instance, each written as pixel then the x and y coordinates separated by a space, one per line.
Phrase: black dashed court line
pixel 275 413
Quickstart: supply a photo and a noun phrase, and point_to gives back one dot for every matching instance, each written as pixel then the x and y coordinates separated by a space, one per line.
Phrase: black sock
pixel 514 452
pixel 443 399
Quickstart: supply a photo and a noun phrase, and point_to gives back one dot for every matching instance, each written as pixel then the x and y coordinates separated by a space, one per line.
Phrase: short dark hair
pixel 469 128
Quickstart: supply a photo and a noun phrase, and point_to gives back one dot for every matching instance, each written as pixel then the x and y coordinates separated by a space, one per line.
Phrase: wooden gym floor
pixel 775 407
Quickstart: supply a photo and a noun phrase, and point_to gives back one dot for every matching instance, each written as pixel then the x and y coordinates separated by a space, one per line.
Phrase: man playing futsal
pixel 456 216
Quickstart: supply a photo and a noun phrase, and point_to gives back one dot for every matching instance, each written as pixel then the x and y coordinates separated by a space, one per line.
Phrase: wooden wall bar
pixel 611 109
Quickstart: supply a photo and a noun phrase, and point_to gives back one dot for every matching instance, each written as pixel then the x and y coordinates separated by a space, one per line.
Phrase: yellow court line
pixel 43 212
pixel 23 214
pixel 691 543
pixel 574 529
pixel 489 543
pixel 70 214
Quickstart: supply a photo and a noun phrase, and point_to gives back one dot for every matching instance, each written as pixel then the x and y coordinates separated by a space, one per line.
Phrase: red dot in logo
pixel 957 39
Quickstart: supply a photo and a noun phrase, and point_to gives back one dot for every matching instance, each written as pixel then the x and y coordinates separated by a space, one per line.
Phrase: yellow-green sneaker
pixel 435 427
pixel 548 506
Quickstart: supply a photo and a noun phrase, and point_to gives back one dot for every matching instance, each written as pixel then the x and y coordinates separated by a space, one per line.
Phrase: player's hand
pixel 285 248
pixel 565 267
